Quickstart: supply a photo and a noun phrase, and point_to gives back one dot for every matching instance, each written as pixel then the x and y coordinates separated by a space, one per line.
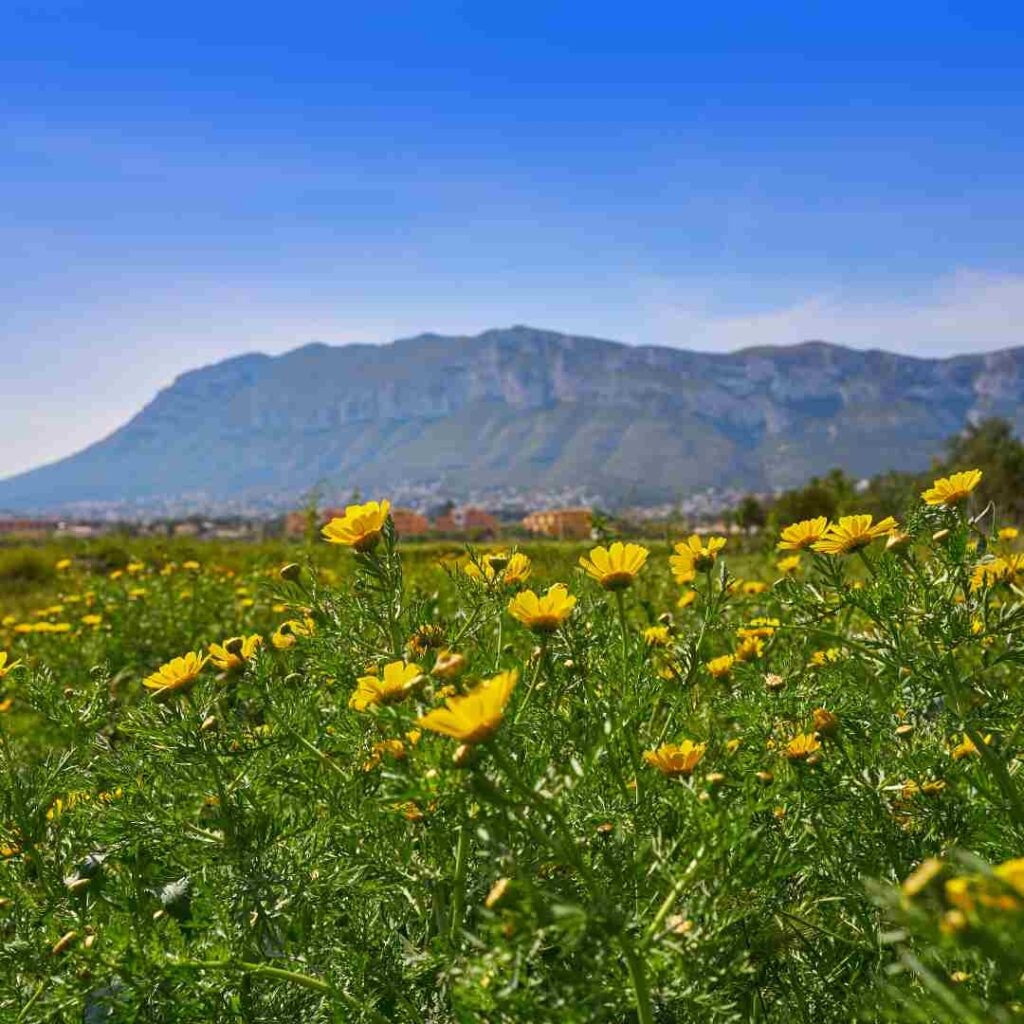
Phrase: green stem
pixel 541 665
pixel 638 978
pixel 989 757
pixel 459 894
pixel 281 974
pixel 620 600
pixel 21 806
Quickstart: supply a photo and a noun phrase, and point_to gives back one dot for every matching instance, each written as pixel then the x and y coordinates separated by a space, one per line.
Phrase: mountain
pixel 531 409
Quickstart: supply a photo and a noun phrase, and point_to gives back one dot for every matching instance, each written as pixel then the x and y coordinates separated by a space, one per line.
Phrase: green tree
pixel 991 446
pixel 750 514
pixel 828 496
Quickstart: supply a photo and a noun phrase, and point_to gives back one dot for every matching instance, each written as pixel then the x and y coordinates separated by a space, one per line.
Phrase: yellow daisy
pixel 509 568
pixel 177 674
pixel 615 567
pixel 475 716
pixel 951 490
pixel 393 686
pixel 804 534
pixel 361 526
pixel 800 747
pixel 719 668
pixel 694 555
pixel 543 614
pixel 4 667
pixel 789 565
pixel 234 652
pixel 657 636
pixel 674 759
pixel 852 533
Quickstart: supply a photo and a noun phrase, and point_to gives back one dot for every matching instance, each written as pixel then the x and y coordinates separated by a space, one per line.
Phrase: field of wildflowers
pixel 524 786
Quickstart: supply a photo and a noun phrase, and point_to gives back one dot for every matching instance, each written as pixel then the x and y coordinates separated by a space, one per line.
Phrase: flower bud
pixel 449 664
pixel 464 756
pixel 290 572
pixel 63 942
pixel 904 732
pixel 825 722
pixel 898 541
pixel 499 891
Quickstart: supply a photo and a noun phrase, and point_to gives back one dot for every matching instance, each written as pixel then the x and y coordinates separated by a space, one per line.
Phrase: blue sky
pixel 182 182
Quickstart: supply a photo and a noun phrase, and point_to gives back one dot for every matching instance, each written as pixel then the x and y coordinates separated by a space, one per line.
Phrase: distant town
pixel 569 515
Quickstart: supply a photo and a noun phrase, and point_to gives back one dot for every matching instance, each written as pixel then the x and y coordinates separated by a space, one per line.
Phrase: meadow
pixel 372 781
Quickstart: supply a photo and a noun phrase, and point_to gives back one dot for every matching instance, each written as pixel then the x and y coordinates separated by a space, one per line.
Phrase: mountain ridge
pixel 524 408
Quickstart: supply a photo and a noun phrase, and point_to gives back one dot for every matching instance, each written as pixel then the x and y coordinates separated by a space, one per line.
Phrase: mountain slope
pixel 528 408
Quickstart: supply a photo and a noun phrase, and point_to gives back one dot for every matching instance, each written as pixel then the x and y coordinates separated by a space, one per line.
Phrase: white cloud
pixel 966 311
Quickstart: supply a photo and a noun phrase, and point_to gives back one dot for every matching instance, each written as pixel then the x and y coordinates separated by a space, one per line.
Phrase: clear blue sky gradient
pixel 186 181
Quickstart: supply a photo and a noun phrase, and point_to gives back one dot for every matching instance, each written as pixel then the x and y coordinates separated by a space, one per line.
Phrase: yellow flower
pixel 177 674
pixel 1004 890
pixel 676 758
pixel 92 619
pixel 761 627
pixel 615 567
pixel 800 747
pixel 509 568
pixel 852 533
pixel 719 668
pixel 750 648
pixel 753 587
pixel 657 636
pixel 474 716
pixel 686 598
pixel 63 565
pixel 804 534
pixel 966 747
pixel 235 651
pixel 394 749
pixel 826 657
pixel 360 527
pixel 392 687
pixel 543 614
pixel 788 565
pixel 288 632
pixel 951 490
pixel 826 722
pixel 922 876
pixel 4 667
pixel 425 638
pixel 998 570
pixel 1009 533
pixel 693 556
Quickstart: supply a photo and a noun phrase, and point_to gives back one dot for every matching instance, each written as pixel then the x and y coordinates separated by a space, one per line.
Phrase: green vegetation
pixel 251 847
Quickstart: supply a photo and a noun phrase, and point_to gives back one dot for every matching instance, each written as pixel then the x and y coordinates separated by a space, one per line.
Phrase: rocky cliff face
pixel 529 408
